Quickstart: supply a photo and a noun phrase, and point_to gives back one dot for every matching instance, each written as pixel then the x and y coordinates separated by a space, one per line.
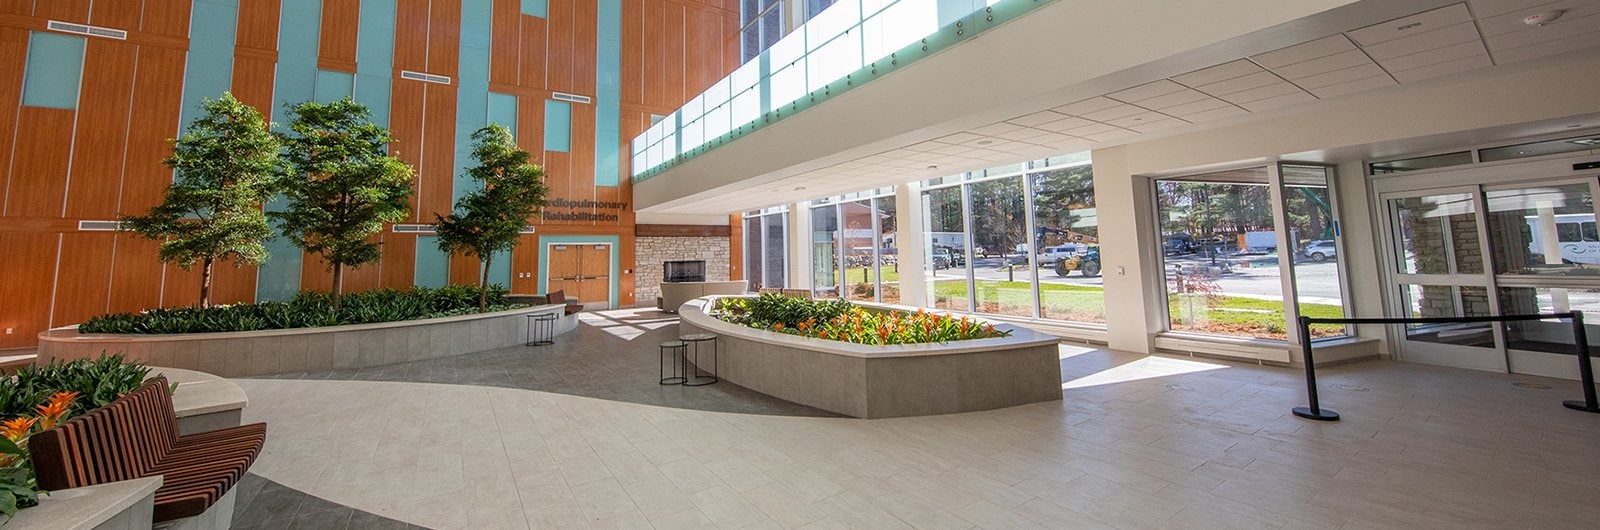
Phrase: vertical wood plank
pixel 63 10
pixel 438 159
pixel 169 18
pixel 119 15
pixel 410 36
pixel 135 274
pixel 444 37
pixel 525 265
pixel 98 145
pixel 336 48
pixel 158 89
pixel 399 266
pixel 83 279
pixel 405 125
pixel 39 167
pixel 27 307
pixel 505 42
pixel 258 25
pixel 13 58
pixel 535 52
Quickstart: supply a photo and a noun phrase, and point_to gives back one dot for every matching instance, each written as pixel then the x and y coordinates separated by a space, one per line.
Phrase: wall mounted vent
pixel 527 230
pixel 413 229
pixel 428 78
pixel 98 226
pixel 83 29
pixel 563 96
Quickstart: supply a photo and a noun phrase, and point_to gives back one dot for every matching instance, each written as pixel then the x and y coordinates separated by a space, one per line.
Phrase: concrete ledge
pixel 243 354
pixel 868 381
pixel 125 505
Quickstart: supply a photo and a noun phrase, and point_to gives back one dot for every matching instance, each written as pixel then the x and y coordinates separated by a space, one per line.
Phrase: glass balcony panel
pixel 831 23
pixel 693 135
pixel 788 85
pixel 716 122
pixel 834 60
pixel 746 107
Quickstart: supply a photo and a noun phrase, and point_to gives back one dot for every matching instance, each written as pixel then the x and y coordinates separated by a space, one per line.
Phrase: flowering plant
pixel 17 484
pixel 843 321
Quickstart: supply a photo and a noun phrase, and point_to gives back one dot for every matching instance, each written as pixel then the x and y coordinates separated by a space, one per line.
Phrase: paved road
pixel 1253 276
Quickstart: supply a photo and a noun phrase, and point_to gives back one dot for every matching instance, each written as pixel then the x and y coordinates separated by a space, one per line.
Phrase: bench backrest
pixel 120 441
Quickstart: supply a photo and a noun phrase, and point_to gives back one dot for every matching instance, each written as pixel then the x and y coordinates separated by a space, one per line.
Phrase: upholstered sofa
pixel 674 294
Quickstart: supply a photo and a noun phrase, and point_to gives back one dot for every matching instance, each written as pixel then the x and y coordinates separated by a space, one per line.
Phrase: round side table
pixel 700 377
pixel 672 351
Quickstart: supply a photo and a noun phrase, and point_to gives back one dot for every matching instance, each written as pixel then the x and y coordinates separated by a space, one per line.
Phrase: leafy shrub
pixel 843 321
pixel 307 310
pixel 97 381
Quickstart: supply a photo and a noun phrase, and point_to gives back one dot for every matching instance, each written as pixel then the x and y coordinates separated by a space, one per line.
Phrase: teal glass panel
pixel 503 110
pixel 54 71
pixel 299 30
pixel 333 86
pixel 557 126
pixel 472 98
pixel 433 266
pixel 608 96
pixel 375 58
pixel 209 69
pixel 500 270
pixel 538 8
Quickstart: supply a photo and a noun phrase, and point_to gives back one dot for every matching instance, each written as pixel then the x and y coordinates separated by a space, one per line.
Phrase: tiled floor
pixel 610 356
pixel 1138 442
pixel 261 504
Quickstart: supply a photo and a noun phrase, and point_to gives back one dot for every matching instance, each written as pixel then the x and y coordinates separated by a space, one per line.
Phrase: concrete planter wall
pixel 279 351
pixel 867 381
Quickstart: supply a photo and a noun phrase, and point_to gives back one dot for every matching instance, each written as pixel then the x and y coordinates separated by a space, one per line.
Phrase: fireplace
pixel 683 271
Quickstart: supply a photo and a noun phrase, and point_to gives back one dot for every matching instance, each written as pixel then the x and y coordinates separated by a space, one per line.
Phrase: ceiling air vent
pixel 82 29
pixel 413 229
pixel 98 226
pixel 563 96
pixel 428 78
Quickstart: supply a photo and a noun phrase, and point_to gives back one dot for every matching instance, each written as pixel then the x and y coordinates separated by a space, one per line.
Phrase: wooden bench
pixel 137 436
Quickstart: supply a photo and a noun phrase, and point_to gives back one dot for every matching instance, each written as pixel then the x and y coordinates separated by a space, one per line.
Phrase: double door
pixel 582 270
pixel 1507 243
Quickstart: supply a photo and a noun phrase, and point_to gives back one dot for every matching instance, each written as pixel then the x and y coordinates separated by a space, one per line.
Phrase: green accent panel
pixel 503 110
pixel 557 126
pixel 299 30
pixel 433 265
pixel 333 86
pixel 208 72
pixel 500 270
pixel 375 58
pixel 608 95
pixel 538 8
pixel 616 259
pixel 54 70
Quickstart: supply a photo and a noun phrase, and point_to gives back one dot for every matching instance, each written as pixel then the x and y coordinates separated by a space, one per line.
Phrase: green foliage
pixel 489 220
pixel 16 483
pixel 309 309
pixel 97 381
pixel 341 185
pixel 843 321
pixel 224 167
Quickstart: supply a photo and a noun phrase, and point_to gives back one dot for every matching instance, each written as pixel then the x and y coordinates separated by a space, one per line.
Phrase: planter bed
pixel 248 353
pixel 871 381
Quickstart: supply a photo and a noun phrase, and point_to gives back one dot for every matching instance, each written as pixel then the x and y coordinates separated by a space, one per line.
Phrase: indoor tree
pixel 341 185
pixel 490 219
pixel 224 167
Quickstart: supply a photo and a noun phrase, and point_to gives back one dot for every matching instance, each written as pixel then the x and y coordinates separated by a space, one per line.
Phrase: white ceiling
pixel 1447 40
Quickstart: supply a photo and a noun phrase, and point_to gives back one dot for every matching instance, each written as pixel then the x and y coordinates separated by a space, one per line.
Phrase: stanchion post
pixel 1315 411
pixel 1580 338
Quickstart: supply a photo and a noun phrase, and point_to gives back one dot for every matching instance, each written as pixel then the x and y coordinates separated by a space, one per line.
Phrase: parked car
pixel 1179 245
pixel 1088 264
pixel 946 258
pixel 1320 250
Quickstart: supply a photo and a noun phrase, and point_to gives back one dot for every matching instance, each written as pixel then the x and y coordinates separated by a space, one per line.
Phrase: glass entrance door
pixel 1436 244
pixel 1505 249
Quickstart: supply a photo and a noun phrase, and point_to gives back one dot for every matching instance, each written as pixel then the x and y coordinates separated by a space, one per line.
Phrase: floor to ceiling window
pixel 852 253
pixel 1230 240
pixel 766 248
pixel 1019 240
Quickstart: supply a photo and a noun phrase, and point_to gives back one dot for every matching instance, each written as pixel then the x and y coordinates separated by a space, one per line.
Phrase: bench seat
pixel 137 436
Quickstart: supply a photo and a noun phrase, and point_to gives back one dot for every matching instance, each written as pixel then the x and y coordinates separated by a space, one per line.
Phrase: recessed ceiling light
pixel 1540 19
pixel 799 188
pixel 985 142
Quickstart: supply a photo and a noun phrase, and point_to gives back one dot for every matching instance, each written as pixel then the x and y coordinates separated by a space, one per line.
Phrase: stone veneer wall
pixel 651 252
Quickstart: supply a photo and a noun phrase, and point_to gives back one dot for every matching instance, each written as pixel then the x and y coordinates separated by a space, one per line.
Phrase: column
pixel 911 241
pixel 1129 247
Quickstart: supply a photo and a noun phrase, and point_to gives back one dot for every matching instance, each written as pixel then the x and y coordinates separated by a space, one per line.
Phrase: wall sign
pixel 573 208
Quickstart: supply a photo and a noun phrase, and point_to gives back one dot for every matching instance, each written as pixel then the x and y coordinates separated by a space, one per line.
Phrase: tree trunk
pixel 205 283
pixel 338 284
pixel 483 286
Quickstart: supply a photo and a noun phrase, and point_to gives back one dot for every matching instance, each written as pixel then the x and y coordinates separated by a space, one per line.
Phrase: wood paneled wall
pixel 102 159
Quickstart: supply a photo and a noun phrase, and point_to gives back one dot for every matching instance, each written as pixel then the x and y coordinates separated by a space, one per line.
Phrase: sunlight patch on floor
pixel 627 324
pixel 1146 368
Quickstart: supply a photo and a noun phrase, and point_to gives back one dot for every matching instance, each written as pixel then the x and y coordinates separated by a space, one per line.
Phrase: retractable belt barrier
pixel 1580 338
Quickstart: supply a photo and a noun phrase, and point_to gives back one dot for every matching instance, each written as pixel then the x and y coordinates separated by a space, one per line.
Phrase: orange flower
pixel 17 428
pixel 777 327
pixel 52 411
